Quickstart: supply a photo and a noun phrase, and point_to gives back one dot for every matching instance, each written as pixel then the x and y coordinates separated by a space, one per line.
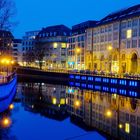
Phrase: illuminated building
pixel 28 42
pixel 6 38
pixel 54 39
pixel 16 44
pixel 76 45
pixel 116 42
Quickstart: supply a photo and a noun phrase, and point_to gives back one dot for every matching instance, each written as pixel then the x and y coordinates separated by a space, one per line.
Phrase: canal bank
pixel 122 86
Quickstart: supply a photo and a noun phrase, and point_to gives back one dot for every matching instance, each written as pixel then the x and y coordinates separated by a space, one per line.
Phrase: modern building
pixel 77 44
pixel 28 42
pixel 54 40
pixel 116 42
pixel 6 38
pixel 16 44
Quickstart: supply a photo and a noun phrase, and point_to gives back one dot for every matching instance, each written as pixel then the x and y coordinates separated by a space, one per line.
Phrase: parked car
pixel 82 71
pixel 87 72
pixel 75 71
pixel 102 73
pixel 94 72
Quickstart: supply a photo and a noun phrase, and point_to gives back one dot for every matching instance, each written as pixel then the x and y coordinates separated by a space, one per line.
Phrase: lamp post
pixel 77 51
pixel 109 48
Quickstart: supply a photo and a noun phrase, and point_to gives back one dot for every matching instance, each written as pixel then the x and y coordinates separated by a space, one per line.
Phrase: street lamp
pixel 77 52
pixel 108 113
pixel 110 48
pixel 77 104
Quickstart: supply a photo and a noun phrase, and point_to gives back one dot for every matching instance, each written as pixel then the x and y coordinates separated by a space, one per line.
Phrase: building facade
pixel 16 44
pixel 28 42
pixel 77 44
pixel 54 40
pixel 115 42
pixel 6 38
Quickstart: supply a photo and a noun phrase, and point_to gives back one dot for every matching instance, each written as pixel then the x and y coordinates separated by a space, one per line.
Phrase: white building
pixel 28 42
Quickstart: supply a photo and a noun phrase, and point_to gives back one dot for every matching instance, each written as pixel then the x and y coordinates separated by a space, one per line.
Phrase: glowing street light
pixel 77 103
pixel 120 126
pixel 78 50
pixel 108 114
pixel 109 48
pixel 11 106
pixel 6 122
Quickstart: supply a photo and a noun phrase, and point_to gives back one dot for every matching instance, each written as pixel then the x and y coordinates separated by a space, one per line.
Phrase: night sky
pixel 35 14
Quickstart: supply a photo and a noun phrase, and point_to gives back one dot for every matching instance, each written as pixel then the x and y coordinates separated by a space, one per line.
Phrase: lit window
pixel 55 45
pixel 127 127
pixel 129 33
pixel 63 45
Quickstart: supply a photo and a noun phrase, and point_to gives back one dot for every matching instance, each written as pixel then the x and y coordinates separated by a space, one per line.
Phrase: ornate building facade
pixel 113 44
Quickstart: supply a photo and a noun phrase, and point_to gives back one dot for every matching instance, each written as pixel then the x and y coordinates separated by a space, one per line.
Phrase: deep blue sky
pixel 35 14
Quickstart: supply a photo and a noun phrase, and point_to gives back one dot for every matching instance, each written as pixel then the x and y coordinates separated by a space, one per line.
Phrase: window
pixel 134 43
pixel 123 25
pixel 135 32
pixel 123 35
pixel 110 37
pixel 139 43
pixel 128 44
pixel 129 23
pixel 129 33
pixel 115 36
pixel 135 22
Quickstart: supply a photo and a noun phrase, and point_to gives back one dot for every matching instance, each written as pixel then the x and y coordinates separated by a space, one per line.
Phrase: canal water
pixel 56 112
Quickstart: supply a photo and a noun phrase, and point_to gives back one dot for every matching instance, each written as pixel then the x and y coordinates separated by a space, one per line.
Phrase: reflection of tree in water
pixel 38 97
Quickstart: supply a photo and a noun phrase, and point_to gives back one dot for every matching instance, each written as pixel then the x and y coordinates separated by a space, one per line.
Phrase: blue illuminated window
pixel 114 81
pixel 105 80
pixel 77 84
pixel 133 93
pixel 77 77
pixel 122 91
pixel 90 78
pixel 83 85
pixel 133 83
pixel 98 87
pixel 90 86
pixel 71 83
pixel 71 76
pixel 105 88
pixel 83 77
pixel 122 82
pixel 114 90
pixel 98 79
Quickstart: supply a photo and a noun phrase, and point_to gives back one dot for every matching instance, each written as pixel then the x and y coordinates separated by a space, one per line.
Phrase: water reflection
pixel 114 116
pixel 48 100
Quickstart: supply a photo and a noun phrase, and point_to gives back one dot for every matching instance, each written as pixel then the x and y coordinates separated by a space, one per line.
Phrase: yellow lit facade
pixel 114 47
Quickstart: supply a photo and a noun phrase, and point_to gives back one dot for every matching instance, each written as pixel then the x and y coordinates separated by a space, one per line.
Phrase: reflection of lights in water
pixel 108 114
pixel 77 103
pixel 6 122
pixel 11 106
pixel 54 101
pixel 120 126
pixel 32 106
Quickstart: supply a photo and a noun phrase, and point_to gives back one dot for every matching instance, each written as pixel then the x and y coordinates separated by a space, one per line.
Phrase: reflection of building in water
pixel 75 102
pixel 45 99
pixel 114 115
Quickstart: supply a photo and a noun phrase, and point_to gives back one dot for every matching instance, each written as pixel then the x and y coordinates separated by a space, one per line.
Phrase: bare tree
pixel 29 57
pixel 39 53
pixel 7 11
